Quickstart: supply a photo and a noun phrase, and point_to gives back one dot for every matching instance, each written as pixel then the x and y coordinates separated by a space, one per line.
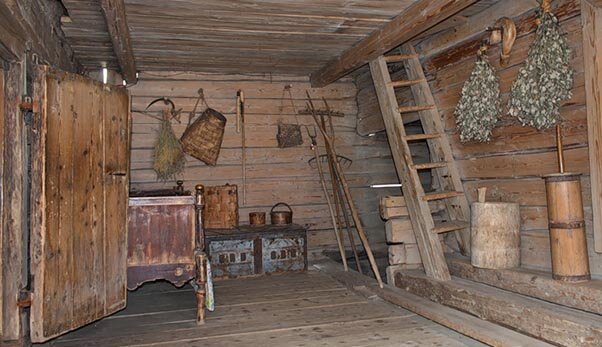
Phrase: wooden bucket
pixel 257 218
pixel 281 217
pixel 203 138
pixel 495 235
pixel 568 242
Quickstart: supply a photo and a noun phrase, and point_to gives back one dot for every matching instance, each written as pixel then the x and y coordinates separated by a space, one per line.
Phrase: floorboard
pixel 300 309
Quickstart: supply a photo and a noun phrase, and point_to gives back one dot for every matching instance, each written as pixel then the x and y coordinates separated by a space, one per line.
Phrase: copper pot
pixel 257 218
pixel 281 217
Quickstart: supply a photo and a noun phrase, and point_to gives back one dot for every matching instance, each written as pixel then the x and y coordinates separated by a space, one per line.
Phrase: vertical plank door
pixel 79 196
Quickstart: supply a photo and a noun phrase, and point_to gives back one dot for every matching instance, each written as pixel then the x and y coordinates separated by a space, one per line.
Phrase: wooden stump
pixel 495 239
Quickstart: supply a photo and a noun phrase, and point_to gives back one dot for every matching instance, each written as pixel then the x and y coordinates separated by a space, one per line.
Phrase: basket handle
pixel 281 203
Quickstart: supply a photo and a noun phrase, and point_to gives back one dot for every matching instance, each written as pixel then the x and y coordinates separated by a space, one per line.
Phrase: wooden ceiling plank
pixel 418 17
pixel 114 12
pixel 361 9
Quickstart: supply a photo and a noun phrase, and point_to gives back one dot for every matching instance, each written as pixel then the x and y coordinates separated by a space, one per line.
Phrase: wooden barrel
pixel 495 235
pixel 568 242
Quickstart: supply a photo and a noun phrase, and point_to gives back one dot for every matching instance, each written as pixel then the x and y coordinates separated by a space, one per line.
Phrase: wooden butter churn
pixel 568 242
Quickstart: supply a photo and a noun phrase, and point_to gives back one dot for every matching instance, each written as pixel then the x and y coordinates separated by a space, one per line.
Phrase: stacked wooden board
pixel 401 242
pixel 402 247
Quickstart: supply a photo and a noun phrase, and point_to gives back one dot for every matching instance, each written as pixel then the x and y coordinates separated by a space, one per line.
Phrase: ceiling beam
pixel 418 17
pixel 476 26
pixel 114 13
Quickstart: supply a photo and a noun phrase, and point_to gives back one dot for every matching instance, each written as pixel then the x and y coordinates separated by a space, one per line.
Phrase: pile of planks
pixel 402 248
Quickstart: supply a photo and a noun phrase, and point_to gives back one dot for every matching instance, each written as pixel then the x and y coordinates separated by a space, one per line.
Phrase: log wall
pixel 513 162
pixel 273 174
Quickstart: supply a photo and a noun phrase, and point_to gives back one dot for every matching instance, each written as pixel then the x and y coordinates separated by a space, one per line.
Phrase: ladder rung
pixel 441 195
pixel 450 226
pixel 417 137
pixel 404 83
pixel 399 57
pixel 405 109
pixel 425 166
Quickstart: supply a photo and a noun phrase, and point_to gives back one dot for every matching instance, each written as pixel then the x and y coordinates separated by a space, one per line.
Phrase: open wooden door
pixel 79 196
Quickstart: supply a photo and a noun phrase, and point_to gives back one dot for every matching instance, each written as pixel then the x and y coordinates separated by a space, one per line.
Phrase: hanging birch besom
pixel 546 79
pixel 479 107
pixel 168 159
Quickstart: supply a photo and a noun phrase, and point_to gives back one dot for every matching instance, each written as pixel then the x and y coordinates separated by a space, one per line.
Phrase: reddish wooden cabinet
pixel 161 240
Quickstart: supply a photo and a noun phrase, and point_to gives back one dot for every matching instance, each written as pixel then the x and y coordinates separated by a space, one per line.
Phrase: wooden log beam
pixel 418 17
pixel 553 323
pixel 114 12
pixel 583 296
pixel 591 15
pixel 473 28
pixel 461 322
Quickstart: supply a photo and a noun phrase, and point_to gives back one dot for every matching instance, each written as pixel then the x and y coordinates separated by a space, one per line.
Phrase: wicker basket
pixel 203 138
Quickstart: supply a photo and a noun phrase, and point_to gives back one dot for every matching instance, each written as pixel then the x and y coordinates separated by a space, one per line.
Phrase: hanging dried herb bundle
pixel 479 107
pixel 169 158
pixel 546 78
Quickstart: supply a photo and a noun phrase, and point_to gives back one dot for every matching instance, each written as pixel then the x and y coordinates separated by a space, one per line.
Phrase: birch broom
pixel 546 79
pixel 169 159
pixel 478 110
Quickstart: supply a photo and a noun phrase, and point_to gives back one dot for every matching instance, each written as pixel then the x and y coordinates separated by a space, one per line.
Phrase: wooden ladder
pixel 446 178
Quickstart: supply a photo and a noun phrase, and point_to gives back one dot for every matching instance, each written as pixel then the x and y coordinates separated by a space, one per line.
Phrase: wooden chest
pixel 161 239
pixel 256 250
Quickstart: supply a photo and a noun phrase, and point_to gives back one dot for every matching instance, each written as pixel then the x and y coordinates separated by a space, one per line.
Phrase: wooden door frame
pixel 2 139
pixel 591 13
pixel 12 209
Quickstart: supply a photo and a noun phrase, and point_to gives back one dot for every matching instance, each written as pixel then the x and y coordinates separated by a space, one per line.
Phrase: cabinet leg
pixel 201 280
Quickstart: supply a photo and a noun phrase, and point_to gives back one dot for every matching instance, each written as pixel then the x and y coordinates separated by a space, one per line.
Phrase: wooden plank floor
pixel 309 309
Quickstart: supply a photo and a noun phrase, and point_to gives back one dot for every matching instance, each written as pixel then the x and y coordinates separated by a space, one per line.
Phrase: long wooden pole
pixel 336 190
pixel 337 194
pixel 335 224
pixel 354 212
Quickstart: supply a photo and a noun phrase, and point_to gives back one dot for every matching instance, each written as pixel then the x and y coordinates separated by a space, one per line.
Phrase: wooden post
pixel 200 257
pixel 13 212
pixel 591 16
pixel 199 204
pixel 201 281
